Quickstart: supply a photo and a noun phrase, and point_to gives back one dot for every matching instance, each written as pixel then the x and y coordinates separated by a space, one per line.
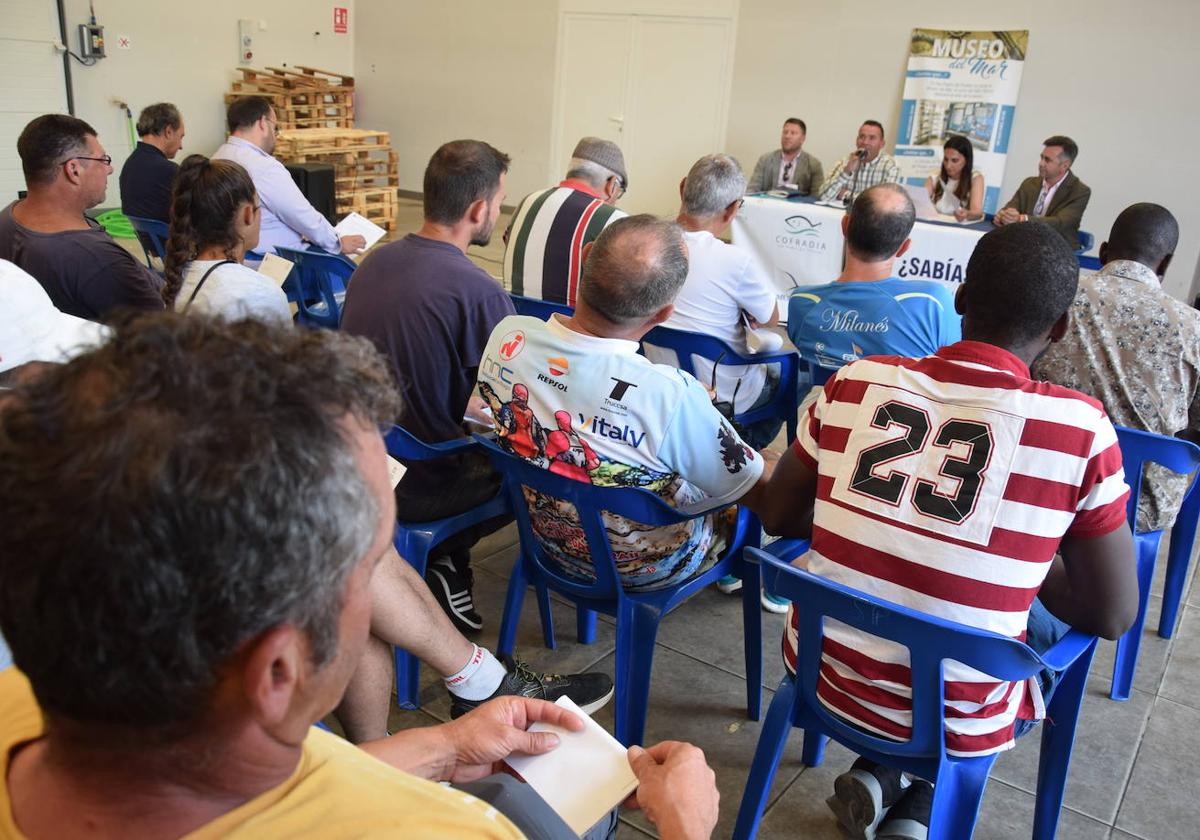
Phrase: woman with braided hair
pixel 215 217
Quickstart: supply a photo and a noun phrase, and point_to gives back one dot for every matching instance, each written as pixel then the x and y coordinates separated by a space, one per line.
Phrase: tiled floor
pixel 1135 763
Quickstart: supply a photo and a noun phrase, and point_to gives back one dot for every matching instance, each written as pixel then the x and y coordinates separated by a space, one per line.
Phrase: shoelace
pixel 523 671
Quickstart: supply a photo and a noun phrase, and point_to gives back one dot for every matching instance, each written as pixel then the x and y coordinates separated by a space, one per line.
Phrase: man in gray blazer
pixel 788 167
pixel 1056 197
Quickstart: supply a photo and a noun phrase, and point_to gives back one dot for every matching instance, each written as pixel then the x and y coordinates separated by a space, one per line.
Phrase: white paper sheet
pixel 396 471
pixel 275 267
pixel 583 778
pixel 357 225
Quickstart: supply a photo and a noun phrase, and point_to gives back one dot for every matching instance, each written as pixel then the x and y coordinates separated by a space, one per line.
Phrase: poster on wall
pixel 960 84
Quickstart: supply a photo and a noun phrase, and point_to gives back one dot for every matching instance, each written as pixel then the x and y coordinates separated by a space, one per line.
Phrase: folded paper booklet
pixel 275 267
pixel 355 224
pixel 584 777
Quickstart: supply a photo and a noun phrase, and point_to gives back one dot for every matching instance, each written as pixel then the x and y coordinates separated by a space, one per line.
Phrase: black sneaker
pixel 452 588
pixel 862 796
pixel 909 818
pixel 589 691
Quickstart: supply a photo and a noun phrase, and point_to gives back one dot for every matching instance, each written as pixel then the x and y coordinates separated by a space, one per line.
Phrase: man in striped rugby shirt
pixel 544 243
pixel 949 484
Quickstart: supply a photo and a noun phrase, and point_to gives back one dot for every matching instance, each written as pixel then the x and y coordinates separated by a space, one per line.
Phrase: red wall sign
pixel 341 20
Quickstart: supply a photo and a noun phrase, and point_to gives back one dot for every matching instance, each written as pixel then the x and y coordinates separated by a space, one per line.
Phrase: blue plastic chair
pixel 637 613
pixel 540 309
pixel 1086 241
pixel 959 782
pixel 1137 449
pixel 154 232
pixel 414 540
pixel 317 284
pixel 782 405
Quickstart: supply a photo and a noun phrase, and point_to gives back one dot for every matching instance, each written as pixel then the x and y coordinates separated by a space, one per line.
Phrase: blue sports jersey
pixel 840 322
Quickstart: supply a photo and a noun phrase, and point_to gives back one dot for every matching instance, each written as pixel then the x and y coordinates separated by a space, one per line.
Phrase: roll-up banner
pixel 960 83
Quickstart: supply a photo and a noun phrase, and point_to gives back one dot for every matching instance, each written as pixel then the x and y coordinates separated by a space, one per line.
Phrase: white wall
pixel 480 69
pixel 186 53
pixel 1117 77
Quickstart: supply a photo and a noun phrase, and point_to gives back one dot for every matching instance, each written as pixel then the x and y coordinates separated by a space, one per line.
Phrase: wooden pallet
pixel 314 142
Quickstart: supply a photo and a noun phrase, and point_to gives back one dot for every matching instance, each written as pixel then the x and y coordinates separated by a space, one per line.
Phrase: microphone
pixel 862 153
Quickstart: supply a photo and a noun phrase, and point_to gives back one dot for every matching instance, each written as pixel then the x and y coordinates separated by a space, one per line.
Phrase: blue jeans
pixel 1043 631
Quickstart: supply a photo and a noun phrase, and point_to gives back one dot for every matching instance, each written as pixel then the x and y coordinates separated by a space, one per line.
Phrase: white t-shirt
pixel 722 280
pixel 233 291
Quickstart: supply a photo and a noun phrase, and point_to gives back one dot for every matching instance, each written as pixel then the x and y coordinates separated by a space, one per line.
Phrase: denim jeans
pixel 1042 632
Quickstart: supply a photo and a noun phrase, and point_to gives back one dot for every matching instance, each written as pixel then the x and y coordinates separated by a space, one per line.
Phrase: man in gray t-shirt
pixel 83 270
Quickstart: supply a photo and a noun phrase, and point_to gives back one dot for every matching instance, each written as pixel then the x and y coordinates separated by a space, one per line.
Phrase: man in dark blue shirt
pixel 430 310
pixel 148 173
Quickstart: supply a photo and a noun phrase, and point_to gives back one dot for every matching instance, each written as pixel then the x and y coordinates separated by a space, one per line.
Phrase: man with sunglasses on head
pixel 288 219
pixel 83 269
pixel 543 255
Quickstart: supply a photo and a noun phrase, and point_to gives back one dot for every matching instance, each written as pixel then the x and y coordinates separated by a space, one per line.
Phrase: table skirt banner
pixel 798 243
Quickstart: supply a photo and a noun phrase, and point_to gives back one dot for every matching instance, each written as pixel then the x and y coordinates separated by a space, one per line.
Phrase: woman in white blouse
pixel 958 190
pixel 215 217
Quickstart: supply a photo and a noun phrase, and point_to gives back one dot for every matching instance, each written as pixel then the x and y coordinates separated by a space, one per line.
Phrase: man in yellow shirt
pixel 190 519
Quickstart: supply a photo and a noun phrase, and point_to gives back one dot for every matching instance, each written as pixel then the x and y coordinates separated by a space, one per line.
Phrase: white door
pixel 592 79
pixel 34 68
pixel 659 88
pixel 677 107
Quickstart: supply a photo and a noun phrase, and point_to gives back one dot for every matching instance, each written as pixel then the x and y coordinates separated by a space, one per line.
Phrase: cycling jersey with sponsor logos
pixel 592 409
pixel 841 322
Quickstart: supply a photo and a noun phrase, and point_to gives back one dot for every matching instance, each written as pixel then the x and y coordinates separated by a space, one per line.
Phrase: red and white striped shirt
pixel 945 484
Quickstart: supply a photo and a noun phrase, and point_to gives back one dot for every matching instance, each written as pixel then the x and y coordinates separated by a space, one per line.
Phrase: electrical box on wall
pixel 91 40
pixel 245 41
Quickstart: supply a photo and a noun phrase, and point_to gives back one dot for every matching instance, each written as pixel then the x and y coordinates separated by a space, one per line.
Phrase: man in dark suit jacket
pixel 773 171
pixel 1056 197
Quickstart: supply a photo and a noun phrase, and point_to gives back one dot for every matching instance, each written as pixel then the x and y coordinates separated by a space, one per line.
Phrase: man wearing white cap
pixel 544 242
pixel 32 329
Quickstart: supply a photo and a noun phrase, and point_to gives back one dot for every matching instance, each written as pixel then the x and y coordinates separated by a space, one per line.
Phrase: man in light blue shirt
pixel 287 217
pixel 867 311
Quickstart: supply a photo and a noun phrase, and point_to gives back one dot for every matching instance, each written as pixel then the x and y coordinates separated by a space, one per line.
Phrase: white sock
pixel 479 678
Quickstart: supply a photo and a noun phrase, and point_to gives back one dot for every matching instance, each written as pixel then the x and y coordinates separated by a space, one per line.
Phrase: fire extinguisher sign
pixel 341 20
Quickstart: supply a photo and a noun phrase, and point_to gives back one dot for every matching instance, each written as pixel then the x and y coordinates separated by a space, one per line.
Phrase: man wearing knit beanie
pixel 550 228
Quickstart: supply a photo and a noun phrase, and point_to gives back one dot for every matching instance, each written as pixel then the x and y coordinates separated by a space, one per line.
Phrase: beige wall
pixel 1108 76
pixel 186 53
pixel 432 72
pixel 1112 75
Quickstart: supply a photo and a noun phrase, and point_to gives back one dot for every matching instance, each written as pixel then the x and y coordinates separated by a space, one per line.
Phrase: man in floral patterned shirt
pixel 1135 348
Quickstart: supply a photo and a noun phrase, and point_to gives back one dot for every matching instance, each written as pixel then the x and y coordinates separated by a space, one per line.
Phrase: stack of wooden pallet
pixel 304 97
pixel 364 167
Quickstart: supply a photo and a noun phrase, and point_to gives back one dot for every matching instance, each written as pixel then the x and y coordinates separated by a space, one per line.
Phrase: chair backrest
pixel 1139 448
pixel 404 446
pixel 154 232
pixel 317 276
pixel 929 641
pixel 688 344
pixel 1086 241
pixel 589 502
pixel 540 309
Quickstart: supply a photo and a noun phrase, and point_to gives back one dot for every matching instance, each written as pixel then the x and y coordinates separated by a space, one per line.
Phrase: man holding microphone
pixel 867 166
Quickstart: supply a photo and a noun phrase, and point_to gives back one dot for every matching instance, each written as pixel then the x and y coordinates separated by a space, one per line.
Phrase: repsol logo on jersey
pixel 931 269
pixel 616 431
pixel 562 386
